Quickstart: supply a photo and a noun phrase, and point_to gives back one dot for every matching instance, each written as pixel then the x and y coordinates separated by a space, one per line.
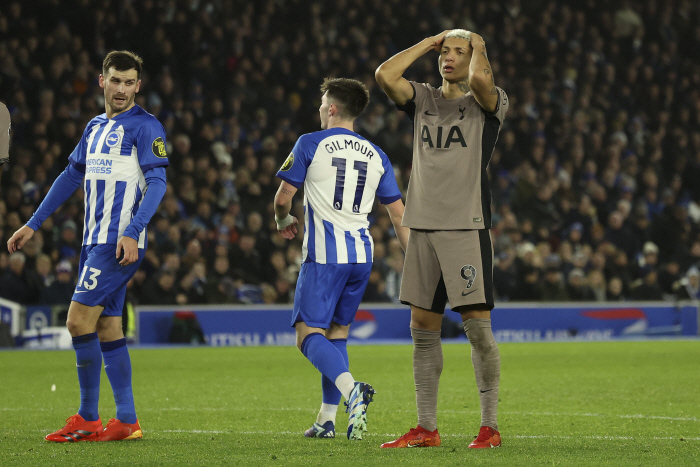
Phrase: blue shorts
pixel 102 279
pixel 328 293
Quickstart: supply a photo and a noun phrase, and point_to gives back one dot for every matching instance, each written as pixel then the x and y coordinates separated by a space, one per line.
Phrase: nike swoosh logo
pixel 429 114
pixel 485 391
pixel 465 294
pixel 415 445
pixel 80 291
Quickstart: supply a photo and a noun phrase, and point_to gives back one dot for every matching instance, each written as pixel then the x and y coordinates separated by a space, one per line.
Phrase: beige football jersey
pixel 452 145
pixel 4 134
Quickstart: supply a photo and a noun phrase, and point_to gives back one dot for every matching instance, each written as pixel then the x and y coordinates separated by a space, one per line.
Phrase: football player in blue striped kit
pixel 342 173
pixel 122 158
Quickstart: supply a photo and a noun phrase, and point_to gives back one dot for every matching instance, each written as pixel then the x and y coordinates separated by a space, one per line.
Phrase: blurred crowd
pixel 595 177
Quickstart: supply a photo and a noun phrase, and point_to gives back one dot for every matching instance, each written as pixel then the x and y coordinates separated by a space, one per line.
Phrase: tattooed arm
pixel 389 75
pixel 481 79
pixel 286 223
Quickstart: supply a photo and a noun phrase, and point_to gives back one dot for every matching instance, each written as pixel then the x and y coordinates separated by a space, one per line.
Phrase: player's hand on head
pixel 477 40
pixel 438 39
pixel 19 238
pixel 130 249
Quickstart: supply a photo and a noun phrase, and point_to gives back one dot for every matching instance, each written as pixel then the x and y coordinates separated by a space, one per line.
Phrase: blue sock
pixel 89 364
pixel 324 356
pixel 118 369
pixel 331 395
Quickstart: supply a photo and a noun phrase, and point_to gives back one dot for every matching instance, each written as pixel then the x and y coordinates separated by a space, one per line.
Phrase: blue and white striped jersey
pixel 341 172
pixel 114 154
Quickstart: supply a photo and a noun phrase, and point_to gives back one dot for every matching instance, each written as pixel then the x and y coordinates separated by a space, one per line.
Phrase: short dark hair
pixel 351 96
pixel 122 60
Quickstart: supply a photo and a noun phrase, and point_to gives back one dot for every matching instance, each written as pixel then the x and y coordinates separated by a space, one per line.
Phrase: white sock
pixel 327 413
pixel 345 382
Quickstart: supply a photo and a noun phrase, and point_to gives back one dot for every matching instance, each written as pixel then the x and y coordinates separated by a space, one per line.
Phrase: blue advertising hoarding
pixel 270 325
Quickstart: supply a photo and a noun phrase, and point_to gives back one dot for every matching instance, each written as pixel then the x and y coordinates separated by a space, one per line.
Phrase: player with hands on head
pixel 122 158
pixel 448 210
pixel 341 173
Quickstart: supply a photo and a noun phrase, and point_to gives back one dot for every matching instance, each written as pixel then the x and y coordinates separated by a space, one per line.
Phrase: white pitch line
pixel 559 414
pixel 206 432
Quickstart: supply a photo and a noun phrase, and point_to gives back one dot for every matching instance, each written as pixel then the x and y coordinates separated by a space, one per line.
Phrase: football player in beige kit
pixel 4 134
pixel 448 209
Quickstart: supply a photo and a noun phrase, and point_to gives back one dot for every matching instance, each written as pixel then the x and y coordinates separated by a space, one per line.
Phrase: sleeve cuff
pixel 33 224
pixel 410 105
pixel 79 167
pixel 389 199
pixel 130 232
pixel 146 168
pixel 498 106
pixel 294 183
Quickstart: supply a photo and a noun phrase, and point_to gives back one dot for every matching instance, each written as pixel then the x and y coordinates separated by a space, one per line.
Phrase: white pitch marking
pixel 206 432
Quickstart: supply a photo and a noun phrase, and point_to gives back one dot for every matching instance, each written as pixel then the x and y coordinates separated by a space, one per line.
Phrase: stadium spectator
pixel 614 292
pixel 246 259
pixel 529 288
pixel 648 259
pixel 505 277
pixel 553 287
pixel 194 283
pixel 596 282
pixel 669 275
pixel 647 288
pixel 577 287
pixel 60 291
pixel 689 286
pixel 19 284
pixel 162 290
pixel 44 270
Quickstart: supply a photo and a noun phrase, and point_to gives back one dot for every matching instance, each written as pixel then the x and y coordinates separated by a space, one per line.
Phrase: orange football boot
pixel 117 431
pixel 488 438
pixel 417 437
pixel 77 429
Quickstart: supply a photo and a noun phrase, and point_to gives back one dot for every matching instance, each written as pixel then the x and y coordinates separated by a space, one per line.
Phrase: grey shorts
pixel 448 265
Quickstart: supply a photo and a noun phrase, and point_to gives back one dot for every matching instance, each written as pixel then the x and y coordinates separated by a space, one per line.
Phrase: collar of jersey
pixel 128 113
pixel 342 130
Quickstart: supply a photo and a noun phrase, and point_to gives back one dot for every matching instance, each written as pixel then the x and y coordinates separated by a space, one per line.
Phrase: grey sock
pixel 487 367
pixel 427 367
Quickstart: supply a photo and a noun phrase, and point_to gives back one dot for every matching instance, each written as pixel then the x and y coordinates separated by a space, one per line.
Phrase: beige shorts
pixel 448 265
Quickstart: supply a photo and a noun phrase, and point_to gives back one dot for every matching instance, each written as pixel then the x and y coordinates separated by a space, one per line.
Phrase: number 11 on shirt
pixel 361 167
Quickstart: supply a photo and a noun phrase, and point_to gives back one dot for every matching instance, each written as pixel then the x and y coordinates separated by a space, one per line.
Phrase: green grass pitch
pixel 576 403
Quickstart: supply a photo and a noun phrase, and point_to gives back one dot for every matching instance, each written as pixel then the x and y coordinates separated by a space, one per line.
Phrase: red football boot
pixel 488 438
pixel 117 431
pixel 77 429
pixel 417 437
